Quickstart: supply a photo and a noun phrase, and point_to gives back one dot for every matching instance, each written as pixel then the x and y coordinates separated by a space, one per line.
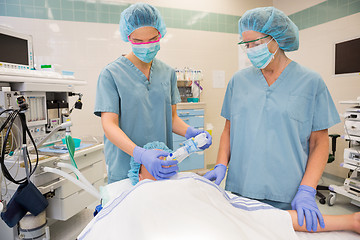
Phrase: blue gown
pixel 271 127
pixel 144 107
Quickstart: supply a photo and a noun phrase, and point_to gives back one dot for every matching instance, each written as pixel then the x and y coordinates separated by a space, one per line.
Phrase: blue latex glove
pixel 160 169
pixel 304 203
pixel 193 132
pixel 217 174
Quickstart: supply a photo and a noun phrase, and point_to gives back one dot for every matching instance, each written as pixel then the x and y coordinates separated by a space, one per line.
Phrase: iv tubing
pixel 78 173
pixel 72 179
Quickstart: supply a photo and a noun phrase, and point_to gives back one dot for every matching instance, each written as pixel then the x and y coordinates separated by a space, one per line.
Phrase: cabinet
pixel 193 115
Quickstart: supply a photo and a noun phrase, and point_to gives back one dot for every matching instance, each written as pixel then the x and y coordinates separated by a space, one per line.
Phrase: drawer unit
pixel 194 118
pixel 194 161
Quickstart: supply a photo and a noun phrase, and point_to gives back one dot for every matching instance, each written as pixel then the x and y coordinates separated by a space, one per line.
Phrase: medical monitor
pixel 16 50
pixel 347 55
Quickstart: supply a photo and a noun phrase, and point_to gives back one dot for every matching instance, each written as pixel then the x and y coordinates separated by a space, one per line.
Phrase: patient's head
pixel 139 172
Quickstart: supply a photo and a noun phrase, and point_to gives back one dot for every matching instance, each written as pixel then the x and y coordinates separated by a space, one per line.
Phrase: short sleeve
pixel 226 108
pixel 175 95
pixel 107 96
pixel 325 113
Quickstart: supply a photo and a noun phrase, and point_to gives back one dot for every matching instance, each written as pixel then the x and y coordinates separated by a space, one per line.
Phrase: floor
pixel 70 229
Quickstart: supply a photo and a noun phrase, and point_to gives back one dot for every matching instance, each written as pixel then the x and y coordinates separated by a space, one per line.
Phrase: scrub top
pixel 143 106
pixel 271 127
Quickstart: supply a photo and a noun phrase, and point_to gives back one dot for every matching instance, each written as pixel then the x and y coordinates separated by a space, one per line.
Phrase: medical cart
pixel 351 187
pixel 47 95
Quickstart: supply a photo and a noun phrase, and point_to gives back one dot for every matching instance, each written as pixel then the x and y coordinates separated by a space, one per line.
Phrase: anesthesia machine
pixel 43 171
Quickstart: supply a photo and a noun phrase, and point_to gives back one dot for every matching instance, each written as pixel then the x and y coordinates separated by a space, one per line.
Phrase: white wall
pixel 87 47
pixel 317 52
pixel 293 6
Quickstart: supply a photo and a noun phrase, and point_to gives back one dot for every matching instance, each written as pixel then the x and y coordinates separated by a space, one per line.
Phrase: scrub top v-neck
pixel 270 127
pixel 143 106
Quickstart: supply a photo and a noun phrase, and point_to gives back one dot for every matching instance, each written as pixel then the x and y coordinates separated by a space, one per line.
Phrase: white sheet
pixel 188 207
pixel 129 217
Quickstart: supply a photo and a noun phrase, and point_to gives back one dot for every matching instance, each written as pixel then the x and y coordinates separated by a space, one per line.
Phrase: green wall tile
pixel 90 6
pixel 91 16
pixel 168 22
pixel 27 12
pixel 103 7
pixel 103 12
pixel 342 11
pixel 27 2
pixel 177 14
pixel 67 4
pixel 2 9
pixel 354 7
pixel 322 12
pixel 40 12
pixel 79 5
pixel 114 18
pixel 39 3
pixel 67 14
pixel 115 9
pixel 13 10
pixel 222 18
pixel 343 2
pixel 56 13
pixel 17 2
pixel 103 17
pixel 79 16
pixel 54 3
pixel 222 27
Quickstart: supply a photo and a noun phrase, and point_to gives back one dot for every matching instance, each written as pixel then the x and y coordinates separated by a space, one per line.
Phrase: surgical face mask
pixel 260 56
pixel 146 52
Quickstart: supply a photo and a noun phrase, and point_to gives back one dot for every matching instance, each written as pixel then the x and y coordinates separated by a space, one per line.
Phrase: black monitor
pixel 347 57
pixel 15 50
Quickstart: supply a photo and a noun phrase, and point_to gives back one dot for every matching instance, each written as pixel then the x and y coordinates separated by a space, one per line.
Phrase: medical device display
pixel 190 146
pixel 16 50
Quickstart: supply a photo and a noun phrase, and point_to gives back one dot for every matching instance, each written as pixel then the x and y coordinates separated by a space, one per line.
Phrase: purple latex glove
pixel 217 174
pixel 193 132
pixel 160 169
pixel 304 203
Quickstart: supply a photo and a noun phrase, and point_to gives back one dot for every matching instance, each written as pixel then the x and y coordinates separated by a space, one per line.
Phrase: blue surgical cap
pixel 273 22
pixel 140 15
pixel 133 173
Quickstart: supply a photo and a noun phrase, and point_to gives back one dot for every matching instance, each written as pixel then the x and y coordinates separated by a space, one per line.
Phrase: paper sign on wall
pixel 218 79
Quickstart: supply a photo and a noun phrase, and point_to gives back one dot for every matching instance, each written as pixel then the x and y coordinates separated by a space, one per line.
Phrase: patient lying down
pixel 189 206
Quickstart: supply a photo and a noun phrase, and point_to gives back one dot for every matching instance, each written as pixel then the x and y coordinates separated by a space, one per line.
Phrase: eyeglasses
pixel 246 45
pixel 139 42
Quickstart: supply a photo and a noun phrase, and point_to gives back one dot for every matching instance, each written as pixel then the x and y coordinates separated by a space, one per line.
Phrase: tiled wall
pixel 325 12
pixel 83 11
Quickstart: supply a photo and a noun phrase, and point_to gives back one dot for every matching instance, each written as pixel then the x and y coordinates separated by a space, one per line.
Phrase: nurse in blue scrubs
pixel 136 99
pixel 275 139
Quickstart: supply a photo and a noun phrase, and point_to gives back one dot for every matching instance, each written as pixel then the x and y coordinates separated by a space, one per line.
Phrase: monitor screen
pixel 13 50
pixel 347 55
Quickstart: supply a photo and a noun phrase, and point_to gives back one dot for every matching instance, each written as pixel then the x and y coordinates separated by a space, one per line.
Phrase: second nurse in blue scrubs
pixel 275 140
pixel 136 98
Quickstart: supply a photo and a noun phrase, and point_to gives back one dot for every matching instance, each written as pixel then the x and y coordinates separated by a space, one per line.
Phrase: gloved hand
pixel 217 174
pixel 160 169
pixel 193 132
pixel 304 203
